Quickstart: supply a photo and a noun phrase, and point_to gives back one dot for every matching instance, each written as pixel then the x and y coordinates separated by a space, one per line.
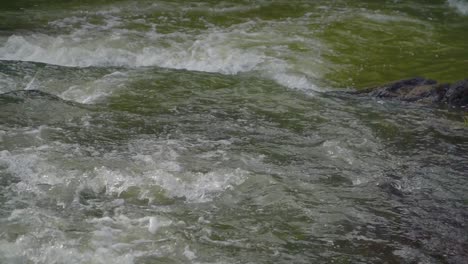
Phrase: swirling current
pixel 205 132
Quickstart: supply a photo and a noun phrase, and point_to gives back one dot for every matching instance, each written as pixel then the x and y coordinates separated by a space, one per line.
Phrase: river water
pixel 202 132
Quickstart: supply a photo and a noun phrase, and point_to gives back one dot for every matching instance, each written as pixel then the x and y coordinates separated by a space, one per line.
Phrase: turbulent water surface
pixel 199 132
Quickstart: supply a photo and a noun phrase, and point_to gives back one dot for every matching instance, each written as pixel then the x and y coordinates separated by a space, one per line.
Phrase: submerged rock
pixel 424 91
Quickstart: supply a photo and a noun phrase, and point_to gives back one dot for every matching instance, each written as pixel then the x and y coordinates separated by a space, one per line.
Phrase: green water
pixel 201 132
pixel 343 43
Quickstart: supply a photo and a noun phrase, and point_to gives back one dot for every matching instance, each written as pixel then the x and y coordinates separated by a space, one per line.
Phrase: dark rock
pixel 457 94
pixel 426 93
pixel 402 88
pixel 423 91
pixel 393 188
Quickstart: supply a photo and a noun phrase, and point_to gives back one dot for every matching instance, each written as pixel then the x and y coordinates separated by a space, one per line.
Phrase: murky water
pixel 198 132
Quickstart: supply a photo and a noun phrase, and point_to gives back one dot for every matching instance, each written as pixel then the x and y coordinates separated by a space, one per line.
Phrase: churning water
pixel 200 132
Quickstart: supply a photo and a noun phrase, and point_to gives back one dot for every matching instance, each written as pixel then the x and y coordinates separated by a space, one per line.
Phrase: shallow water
pixel 198 132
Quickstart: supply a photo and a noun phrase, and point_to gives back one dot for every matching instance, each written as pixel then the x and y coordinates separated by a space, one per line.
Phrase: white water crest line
pixel 245 47
pixel 209 54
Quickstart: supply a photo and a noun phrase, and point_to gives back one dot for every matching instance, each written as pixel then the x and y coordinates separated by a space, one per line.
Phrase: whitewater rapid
pixel 192 132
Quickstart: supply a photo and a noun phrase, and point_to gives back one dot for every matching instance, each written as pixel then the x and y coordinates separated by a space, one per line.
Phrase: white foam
pixel 40 241
pixel 194 187
pixel 107 238
pixel 63 51
pixel 115 238
pixel 152 170
pixel 155 223
pixel 207 186
pixel 27 249
pixel 245 47
pixel 295 81
pixel 335 150
pixel 159 162
pixel 90 92
pixel 460 5
pixel 26 166
pixel 189 254
pixel 387 18
pixel 200 55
